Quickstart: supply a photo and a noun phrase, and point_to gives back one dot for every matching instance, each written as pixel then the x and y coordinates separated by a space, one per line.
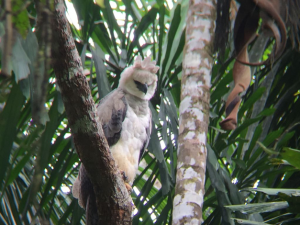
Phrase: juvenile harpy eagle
pixel 126 121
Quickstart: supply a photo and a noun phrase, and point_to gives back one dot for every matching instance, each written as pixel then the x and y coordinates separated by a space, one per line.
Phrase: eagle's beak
pixel 142 87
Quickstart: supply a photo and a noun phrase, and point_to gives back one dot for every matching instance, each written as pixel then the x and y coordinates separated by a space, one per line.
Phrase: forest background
pixel 252 173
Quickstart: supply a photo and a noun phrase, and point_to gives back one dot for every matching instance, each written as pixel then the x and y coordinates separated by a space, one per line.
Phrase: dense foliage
pixel 38 163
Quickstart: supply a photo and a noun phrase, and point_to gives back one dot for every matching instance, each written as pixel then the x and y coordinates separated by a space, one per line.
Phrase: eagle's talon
pixel 128 187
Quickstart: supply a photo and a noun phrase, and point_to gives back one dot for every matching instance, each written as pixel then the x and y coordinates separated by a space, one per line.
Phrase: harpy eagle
pixel 126 121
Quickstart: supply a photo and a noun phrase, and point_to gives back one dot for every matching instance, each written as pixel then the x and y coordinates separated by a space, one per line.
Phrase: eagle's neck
pixel 139 106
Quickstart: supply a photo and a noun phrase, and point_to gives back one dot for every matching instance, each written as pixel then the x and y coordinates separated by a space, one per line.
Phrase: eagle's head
pixel 140 79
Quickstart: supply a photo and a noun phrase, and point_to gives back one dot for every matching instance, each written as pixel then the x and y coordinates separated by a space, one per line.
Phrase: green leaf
pixel 154 147
pixel 267 150
pixel 113 26
pixel 55 173
pixel 211 156
pixel 172 113
pixel 274 191
pixel 143 25
pixel 222 88
pixel 292 156
pixel 102 81
pixel 176 23
pixel 82 55
pixel 176 36
pixel 293 201
pixel 253 142
pixel 77 213
pixel 30 46
pixel 252 99
pixel 259 207
pixel 162 12
pixel 266 112
pixel 9 118
pixel 248 222
pixel 20 19
pixel 2 29
pixel 242 127
pixel 241 164
pixel 13 201
pixel 20 61
pixel 25 87
pixel 268 140
pixel 285 139
pixel 221 193
pixel 17 169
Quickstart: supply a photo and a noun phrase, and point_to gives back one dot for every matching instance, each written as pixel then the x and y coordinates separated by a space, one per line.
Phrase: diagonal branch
pixel 113 199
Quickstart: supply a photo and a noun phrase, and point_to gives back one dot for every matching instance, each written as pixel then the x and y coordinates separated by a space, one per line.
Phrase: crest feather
pixel 145 64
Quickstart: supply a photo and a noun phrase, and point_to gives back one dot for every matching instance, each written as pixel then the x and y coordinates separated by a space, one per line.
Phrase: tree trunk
pixel 194 113
pixel 113 200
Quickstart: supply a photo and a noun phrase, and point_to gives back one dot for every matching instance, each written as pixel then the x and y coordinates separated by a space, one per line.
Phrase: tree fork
pixel 113 200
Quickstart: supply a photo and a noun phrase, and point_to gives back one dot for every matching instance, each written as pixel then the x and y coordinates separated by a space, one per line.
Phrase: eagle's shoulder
pixel 111 112
pixel 113 102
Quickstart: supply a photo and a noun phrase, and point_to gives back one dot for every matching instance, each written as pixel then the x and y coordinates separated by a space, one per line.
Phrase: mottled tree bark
pixel 194 112
pixel 113 200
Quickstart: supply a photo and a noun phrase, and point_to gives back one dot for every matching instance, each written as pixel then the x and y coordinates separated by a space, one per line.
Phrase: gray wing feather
pixel 112 111
pixel 112 129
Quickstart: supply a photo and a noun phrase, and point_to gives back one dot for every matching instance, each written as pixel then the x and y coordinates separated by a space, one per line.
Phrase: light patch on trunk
pixel 205 28
pixel 191 60
pixel 185 105
pixel 198 113
pixel 190 173
pixel 203 165
pixel 191 125
pixel 182 210
pixel 191 186
pixel 177 199
pixel 206 63
pixel 197 42
pixel 185 206
pixel 202 138
pixel 195 221
pixel 193 161
pixel 191 87
pixel 200 194
pixel 207 80
pixel 192 197
pixel 205 71
pixel 180 164
pixel 189 135
pixel 209 5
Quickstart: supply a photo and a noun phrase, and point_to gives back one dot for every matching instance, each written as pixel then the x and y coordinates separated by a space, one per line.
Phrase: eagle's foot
pixel 125 178
pixel 128 187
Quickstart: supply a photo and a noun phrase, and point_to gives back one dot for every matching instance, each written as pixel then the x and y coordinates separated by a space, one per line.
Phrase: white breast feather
pixel 126 151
